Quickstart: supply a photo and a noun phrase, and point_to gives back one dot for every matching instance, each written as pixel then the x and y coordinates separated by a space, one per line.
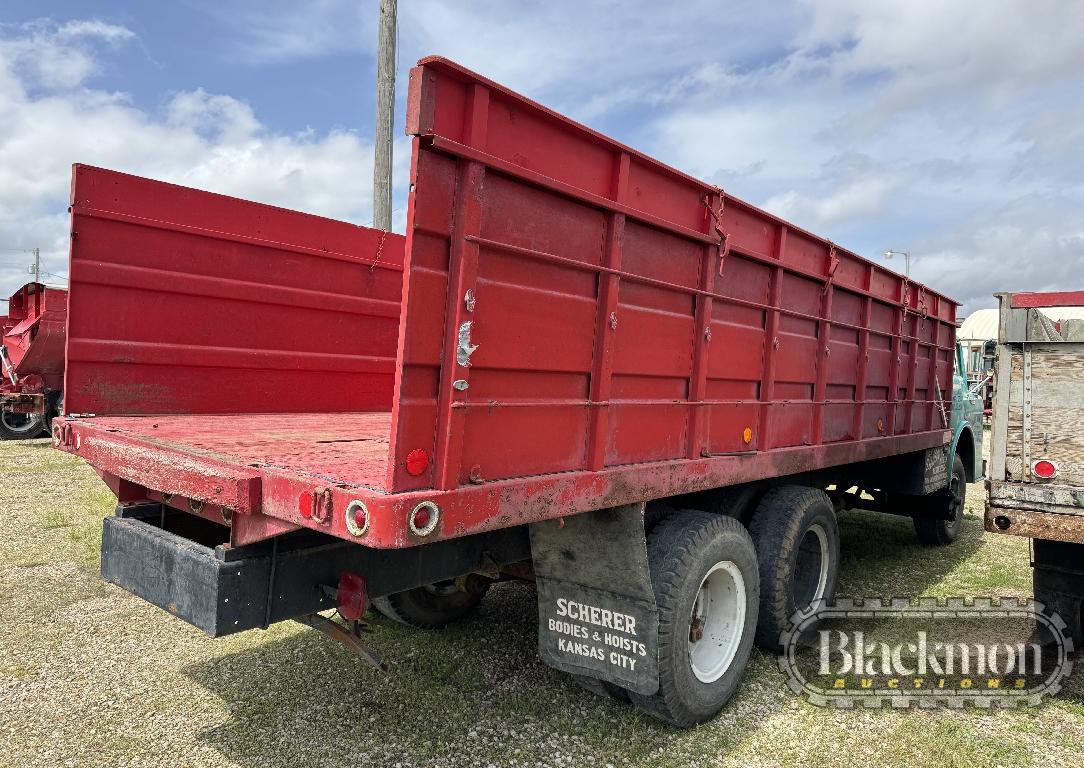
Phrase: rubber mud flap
pixel 596 609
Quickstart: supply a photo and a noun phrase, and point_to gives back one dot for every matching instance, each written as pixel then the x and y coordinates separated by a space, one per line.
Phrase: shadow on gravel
pixel 473 694
pixel 477 694
pixel 882 557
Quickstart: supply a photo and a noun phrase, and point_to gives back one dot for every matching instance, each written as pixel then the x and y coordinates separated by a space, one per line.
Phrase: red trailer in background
pixel 579 366
pixel 32 359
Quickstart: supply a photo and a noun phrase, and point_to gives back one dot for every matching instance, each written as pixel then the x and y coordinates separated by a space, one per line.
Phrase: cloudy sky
pixel 954 130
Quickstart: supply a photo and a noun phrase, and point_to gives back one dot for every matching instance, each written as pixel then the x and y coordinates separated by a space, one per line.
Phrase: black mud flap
pixel 596 609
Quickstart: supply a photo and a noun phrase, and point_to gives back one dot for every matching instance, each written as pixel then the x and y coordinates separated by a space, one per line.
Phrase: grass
pixel 93 676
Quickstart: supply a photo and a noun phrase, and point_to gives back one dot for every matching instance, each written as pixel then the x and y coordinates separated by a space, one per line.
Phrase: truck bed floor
pixel 347 448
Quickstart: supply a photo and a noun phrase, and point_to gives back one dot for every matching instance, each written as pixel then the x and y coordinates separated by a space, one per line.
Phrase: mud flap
pixel 596 609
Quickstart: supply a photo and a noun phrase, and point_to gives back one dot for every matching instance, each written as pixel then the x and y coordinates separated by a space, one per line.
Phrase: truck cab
pixel 966 420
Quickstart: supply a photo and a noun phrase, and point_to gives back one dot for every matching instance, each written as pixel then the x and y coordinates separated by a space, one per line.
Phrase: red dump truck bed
pixel 31 359
pixel 33 331
pixel 567 325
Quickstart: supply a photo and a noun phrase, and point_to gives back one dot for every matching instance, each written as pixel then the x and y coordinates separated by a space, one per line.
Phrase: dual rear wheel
pixel 719 588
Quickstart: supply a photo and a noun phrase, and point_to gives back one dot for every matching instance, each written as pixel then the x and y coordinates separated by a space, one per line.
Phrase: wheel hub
pixel 717 621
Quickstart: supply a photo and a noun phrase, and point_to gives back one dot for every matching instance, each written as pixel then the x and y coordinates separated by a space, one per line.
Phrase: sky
pixel 952 130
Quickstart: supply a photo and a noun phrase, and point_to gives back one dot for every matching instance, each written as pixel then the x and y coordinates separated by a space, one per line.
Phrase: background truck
pixel 31 360
pixel 579 367
pixel 1036 482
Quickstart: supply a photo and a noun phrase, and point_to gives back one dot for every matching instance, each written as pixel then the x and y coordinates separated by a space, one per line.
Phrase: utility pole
pixel 385 116
pixel 36 269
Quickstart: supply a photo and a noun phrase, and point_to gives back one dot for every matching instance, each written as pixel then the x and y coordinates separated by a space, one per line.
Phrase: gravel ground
pixel 91 676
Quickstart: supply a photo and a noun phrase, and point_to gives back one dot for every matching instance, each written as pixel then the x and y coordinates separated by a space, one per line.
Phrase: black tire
pixel 430 607
pixel 18 426
pixel 797 538
pixel 682 552
pixel 937 533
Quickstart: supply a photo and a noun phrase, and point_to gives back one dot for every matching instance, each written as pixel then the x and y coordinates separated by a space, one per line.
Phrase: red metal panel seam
pixel 824 334
pixel 894 370
pixel 401 406
pixel 912 374
pixel 771 342
pixel 931 391
pixel 863 363
pixel 462 276
pixel 698 381
pixel 609 288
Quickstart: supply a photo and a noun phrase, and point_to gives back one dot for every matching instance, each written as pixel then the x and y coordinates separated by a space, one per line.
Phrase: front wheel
pixel 433 606
pixel 939 531
pixel 20 426
pixel 704 575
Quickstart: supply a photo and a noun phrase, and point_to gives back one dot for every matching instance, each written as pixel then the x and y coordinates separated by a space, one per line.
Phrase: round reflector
pixel 417 461
pixel 1044 469
pixel 424 518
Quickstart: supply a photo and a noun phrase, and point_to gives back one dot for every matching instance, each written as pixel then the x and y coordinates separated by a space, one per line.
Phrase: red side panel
pixel 189 302
pixel 572 304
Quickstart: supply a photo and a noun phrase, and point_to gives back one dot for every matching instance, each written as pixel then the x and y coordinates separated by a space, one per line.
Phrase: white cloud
pixel 53 118
pixel 937 127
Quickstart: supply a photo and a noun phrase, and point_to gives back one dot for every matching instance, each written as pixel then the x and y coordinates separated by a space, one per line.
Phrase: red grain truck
pixel 579 366
pixel 31 360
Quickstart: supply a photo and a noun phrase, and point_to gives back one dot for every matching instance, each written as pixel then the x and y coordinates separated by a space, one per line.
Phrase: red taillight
pixel 1044 469
pixel 351 597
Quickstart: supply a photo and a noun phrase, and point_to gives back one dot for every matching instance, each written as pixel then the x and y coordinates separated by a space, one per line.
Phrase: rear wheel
pixel 797 541
pixel 705 579
pixel 20 426
pixel 431 607
pixel 938 532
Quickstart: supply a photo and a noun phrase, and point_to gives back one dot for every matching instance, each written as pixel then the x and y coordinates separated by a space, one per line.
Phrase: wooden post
pixel 385 116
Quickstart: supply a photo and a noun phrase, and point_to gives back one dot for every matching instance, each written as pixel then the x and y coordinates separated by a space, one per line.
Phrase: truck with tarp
pixel 579 366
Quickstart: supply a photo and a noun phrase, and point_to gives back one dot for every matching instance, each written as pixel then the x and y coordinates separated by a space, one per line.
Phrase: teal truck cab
pixel 939 518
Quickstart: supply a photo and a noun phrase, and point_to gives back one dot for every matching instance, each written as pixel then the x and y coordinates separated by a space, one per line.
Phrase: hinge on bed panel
pixel 717 217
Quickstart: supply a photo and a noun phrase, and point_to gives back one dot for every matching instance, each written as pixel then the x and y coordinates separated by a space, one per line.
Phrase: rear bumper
pixel 173 560
pixel 181 575
pixel 1035 524
pixel 1036 510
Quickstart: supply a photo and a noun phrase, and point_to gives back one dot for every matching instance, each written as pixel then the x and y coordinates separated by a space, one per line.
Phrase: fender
pixel 975 470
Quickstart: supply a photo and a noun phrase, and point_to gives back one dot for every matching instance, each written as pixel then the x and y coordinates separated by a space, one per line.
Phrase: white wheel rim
pixel 717 621
pixel 822 570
